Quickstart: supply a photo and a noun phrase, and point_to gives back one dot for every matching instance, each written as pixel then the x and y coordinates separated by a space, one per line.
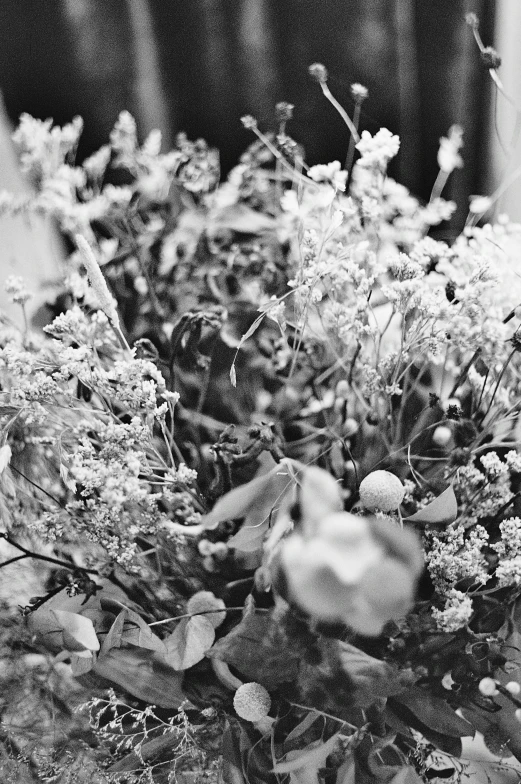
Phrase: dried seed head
pixel 318 72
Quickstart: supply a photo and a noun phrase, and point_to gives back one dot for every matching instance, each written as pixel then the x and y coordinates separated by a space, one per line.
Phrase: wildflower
pixel 448 153
pixel 330 173
pixel 381 490
pixel 376 151
pixel 202 601
pixel 15 287
pixel 456 614
pixel 252 702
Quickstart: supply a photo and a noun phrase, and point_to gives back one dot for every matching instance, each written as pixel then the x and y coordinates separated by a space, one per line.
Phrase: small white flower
pixel 252 702
pixel 480 204
pixel 448 153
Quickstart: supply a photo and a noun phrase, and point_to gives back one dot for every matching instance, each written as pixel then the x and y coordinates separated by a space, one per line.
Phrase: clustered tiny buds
pixel 359 92
pixel 490 58
pixel 318 72
pixel 249 122
pixel 284 111
pixel 96 279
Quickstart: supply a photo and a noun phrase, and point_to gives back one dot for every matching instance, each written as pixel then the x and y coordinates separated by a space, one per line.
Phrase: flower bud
pixel 513 687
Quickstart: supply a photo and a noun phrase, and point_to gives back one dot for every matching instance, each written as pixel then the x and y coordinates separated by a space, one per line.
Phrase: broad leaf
pixel 142 673
pixel 114 634
pixel 432 712
pixel 77 631
pixel 259 649
pixel 310 758
pixel 442 511
pixel 81 664
pixel 189 642
pixel 255 501
pixel 372 678
pixel 137 632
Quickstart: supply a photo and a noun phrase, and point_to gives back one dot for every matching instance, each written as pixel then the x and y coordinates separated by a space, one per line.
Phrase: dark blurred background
pixel 199 65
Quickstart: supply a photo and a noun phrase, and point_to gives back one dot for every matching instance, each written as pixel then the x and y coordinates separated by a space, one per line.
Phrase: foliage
pixel 269 435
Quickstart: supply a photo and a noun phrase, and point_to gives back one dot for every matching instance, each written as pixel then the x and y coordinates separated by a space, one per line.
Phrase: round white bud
pixel 487 687
pixel 442 436
pixel 381 490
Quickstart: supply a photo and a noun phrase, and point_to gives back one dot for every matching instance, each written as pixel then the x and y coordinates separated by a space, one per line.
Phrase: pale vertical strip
pixel 149 94
pixel 508 44
pixel 258 56
pixel 408 92
pixel 30 245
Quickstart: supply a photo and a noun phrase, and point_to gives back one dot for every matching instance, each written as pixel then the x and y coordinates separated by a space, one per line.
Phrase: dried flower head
pixel 381 490
pixel 252 702
pixel 359 92
pixel 318 72
pixel 284 111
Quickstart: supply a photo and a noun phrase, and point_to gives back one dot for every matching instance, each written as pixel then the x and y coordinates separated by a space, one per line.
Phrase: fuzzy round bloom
pixel 488 687
pixel 207 602
pixel 381 490
pixel 352 570
pixel 252 702
pixel 513 687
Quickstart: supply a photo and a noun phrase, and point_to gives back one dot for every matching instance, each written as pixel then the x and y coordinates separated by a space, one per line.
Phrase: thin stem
pixel 342 112
pixel 46 558
pixel 204 612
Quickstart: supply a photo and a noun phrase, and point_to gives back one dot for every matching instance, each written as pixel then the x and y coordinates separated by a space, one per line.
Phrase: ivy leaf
pixel 255 502
pixel 189 642
pixel 77 631
pixel 138 632
pixel 442 511
pixel 432 712
pixel 114 634
pixel 81 664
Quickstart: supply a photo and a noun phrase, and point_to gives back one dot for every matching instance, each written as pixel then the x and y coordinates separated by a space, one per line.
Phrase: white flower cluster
pixel 456 613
